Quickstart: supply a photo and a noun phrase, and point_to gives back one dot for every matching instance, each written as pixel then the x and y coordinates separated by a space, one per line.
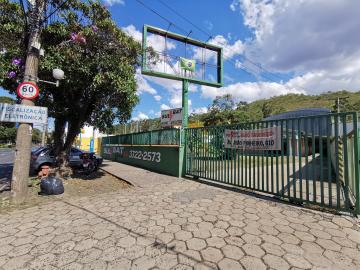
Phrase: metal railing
pixel 316 161
pixel 154 137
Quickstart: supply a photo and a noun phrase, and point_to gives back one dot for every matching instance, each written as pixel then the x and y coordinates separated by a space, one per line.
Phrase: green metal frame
pixel 185 80
pixel 154 30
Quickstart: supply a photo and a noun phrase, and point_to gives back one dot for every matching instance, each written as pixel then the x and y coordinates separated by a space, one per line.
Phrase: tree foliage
pixel 7 130
pixel 98 58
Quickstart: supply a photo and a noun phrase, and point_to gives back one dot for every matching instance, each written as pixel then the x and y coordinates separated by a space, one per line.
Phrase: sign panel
pixel 187 64
pixel 27 90
pixel 159 159
pixel 23 114
pixel 170 118
pixel 255 139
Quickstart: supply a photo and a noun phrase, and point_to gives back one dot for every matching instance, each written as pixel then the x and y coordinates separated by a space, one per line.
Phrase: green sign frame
pixel 185 80
pixel 161 32
pixel 162 159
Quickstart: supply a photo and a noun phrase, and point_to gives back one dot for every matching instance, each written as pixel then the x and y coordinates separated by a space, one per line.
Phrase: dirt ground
pixel 78 186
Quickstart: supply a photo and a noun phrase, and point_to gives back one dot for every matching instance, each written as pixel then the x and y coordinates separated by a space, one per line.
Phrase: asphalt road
pixel 6 164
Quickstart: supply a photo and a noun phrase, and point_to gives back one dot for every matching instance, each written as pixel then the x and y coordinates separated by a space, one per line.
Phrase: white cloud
pixel 114 2
pixel 229 50
pixel 164 107
pixel 199 110
pixel 176 101
pixel 234 5
pixel 155 41
pixel 315 40
pixel 140 116
pixel 250 91
pixel 209 25
pixel 157 97
pixel 142 84
pixel 131 31
pixel 174 88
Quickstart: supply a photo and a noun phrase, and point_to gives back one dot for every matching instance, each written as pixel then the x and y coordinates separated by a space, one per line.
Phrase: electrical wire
pixel 54 11
pixel 210 36
pixel 161 16
pixel 247 70
pixel 184 18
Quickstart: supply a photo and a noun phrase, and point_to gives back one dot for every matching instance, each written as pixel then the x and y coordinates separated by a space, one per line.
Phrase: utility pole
pixel 19 181
pixel 44 135
pixel 338 101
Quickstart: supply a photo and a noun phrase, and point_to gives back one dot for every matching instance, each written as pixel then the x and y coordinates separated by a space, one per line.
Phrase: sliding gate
pixel 310 160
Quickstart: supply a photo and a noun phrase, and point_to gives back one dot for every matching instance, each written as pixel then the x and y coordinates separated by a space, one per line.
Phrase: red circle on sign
pixel 23 92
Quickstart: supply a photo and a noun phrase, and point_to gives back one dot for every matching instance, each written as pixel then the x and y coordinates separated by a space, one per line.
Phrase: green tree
pixel 36 136
pixel 7 134
pixel 266 109
pixel 98 58
pixel 223 111
pixel 7 130
pixel 223 103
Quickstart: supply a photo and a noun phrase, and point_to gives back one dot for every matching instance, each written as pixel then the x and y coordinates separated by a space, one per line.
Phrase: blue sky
pixel 286 46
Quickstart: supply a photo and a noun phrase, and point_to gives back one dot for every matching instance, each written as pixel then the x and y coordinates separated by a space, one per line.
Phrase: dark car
pixel 45 156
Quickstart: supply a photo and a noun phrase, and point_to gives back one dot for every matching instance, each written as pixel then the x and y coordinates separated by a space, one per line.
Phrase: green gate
pixel 310 160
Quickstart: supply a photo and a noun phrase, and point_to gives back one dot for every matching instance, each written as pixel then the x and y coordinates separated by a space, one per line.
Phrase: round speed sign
pixel 27 90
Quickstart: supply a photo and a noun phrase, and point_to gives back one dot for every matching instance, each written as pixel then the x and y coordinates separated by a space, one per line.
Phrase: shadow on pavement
pixel 156 244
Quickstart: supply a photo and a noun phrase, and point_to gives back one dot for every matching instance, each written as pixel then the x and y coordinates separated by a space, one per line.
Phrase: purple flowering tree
pixel 98 58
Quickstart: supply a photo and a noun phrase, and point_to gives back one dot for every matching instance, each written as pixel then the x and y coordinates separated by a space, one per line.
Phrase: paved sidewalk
pixel 136 176
pixel 170 223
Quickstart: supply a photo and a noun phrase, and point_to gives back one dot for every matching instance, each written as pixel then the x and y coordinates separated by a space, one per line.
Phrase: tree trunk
pixel 59 151
pixel 59 132
pixel 62 149
pixel 73 131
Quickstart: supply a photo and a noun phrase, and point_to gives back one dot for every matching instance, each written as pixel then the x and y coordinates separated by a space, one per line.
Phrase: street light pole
pixel 185 120
pixel 19 181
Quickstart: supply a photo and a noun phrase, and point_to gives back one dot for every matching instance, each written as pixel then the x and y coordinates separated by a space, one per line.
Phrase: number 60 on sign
pixel 27 90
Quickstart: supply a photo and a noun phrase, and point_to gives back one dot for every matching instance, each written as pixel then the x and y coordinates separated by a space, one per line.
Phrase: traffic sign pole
pixel 20 176
pixel 185 120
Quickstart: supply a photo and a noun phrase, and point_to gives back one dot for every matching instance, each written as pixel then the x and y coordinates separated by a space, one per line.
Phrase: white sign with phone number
pixel 134 154
pixel 144 155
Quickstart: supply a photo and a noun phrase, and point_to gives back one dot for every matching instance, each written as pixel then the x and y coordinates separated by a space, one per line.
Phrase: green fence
pixel 155 137
pixel 163 159
pixel 310 160
pixel 156 150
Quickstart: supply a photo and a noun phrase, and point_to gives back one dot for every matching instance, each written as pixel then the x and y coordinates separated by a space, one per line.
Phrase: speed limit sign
pixel 27 90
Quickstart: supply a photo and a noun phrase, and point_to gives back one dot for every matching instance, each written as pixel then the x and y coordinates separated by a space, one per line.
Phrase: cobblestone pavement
pixel 178 225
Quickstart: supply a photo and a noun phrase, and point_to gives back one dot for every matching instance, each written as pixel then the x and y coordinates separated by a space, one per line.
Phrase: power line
pixel 184 18
pixel 161 16
pixel 176 26
pixel 246 69
pixel 209 35
pixel 54 11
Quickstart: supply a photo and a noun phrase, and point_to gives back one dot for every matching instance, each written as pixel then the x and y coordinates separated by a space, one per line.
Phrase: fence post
pixel 150 138
pixel 356 157
pixel 132 138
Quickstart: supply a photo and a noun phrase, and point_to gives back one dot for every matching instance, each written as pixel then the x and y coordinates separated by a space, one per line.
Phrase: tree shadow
pixel 157 243
pixel 79 174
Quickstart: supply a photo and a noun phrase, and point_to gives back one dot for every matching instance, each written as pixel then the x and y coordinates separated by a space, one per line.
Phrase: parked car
pixel 45 156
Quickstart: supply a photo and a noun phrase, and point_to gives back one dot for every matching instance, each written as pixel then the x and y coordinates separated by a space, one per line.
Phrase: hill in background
pixel 349 101
pixel 222 110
